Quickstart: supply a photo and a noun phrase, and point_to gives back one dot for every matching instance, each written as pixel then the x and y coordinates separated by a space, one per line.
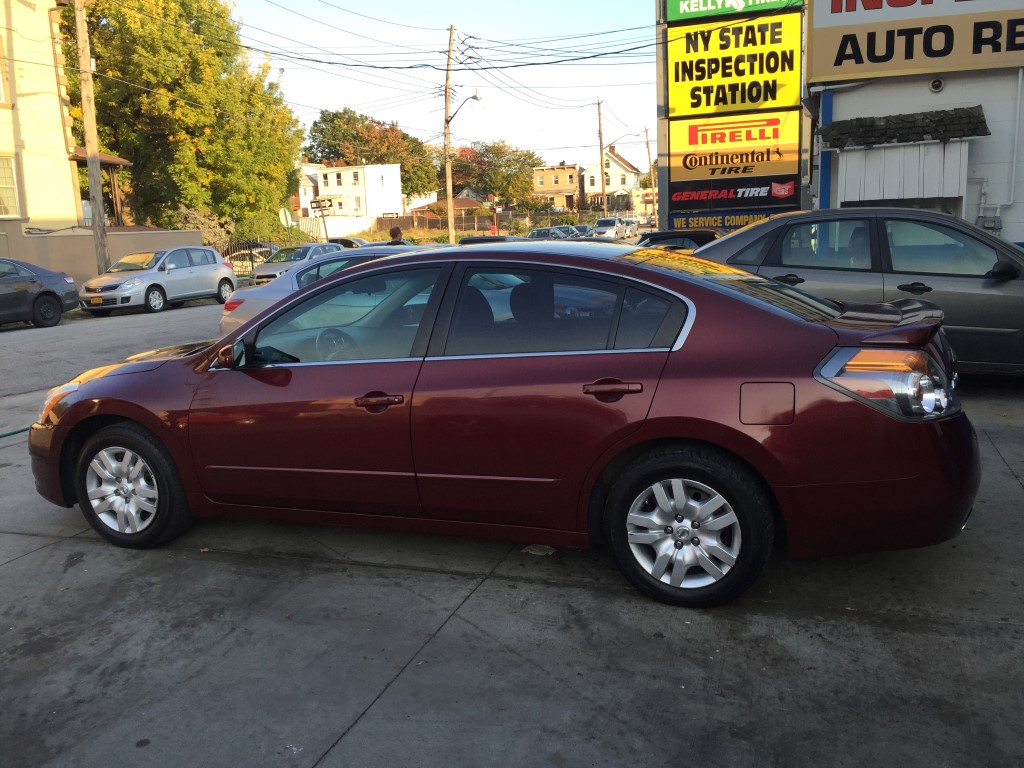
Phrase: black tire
pixel 100 312
pixel 129 487
pixel 739 526
pixel 224 289
pixel 155 299
pixel 46 311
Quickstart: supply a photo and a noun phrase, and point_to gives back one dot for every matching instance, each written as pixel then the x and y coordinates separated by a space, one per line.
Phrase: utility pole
pixel 448 136
pixel 92 158
pixel 600 162
pixel 651 175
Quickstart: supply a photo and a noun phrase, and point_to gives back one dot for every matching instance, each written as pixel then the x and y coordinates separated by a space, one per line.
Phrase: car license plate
pixel 96 300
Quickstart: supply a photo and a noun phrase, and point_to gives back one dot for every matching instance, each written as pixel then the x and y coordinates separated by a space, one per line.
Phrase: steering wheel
pixel 335 344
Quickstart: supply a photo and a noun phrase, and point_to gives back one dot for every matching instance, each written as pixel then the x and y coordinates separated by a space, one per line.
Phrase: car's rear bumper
pixel 927 507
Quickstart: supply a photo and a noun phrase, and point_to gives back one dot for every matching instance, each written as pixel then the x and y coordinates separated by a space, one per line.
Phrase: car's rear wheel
pixel 156 300
pixel 128 488
pixel 689 526
pixel 224 289
pixel 46 311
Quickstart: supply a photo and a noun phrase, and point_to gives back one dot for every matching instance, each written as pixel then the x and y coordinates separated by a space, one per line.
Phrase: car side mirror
pixel 162 268
pixel 1003 270
pixel 226 356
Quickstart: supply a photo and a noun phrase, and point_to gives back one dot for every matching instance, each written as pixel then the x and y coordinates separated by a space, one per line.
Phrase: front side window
pixel 177 260
pixel 840 244
pixel 372 318
pixel 916 246
pixel 8 188
pixel 527 311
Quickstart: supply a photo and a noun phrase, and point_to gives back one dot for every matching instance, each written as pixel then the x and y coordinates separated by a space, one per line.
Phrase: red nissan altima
pixel 678 410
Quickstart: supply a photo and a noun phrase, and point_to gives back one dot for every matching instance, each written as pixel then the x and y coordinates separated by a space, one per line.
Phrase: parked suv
pixel 154 279
pixel 612 227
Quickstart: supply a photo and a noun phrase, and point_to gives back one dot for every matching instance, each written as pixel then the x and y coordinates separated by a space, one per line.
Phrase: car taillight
pixel 229 265
pixel 901 382
pixel 232 304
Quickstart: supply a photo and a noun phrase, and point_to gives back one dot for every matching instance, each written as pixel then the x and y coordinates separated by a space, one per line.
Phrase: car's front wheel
pixel 128 488
pixel 156 300
pixel 689 526
pixel 224 290
pixel 46 311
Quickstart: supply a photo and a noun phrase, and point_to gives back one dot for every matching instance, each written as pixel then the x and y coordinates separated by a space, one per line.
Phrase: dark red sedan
pixel 679 410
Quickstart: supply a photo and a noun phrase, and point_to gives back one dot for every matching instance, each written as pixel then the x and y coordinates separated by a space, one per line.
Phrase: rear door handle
pixel 789 279
pixel 378 402
pixel 915 288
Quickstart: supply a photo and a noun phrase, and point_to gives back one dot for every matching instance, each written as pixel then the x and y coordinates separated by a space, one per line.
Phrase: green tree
pixel 507 171
pixel 177 96
pixel 348 138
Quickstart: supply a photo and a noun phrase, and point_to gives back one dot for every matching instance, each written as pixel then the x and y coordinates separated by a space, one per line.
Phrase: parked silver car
pixel 290 257
pixel 868 255
pixel 613 228
pixel 246 303
pixel 154 279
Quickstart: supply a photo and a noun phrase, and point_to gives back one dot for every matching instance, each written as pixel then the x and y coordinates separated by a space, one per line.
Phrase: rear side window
pixel 532 311
pixel 840 244
pixel 201 256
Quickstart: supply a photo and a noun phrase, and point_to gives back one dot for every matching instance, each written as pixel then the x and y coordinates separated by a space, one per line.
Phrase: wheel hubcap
pixel 122 490
pixel 683 533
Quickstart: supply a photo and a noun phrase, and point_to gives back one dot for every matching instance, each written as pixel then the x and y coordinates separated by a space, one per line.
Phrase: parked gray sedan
pixel 288 258
pixel 154 279
pixel 32 294
pixel 249 302
pixel 866 255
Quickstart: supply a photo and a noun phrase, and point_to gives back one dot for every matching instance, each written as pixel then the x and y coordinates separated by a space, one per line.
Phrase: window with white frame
pixel 570 178
pixel 555 180
pixel 359 203
pixel 8 188
pixel 591 181
pixel 337 178
pixel 623 181
pixel 355 177
pixel 325 179
pixel 540 181
pixel 607 163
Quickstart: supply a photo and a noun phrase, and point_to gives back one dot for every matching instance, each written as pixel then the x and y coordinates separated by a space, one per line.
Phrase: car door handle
pixel 612 390
pixel 915 288
pixel 789 279
pixel 381 401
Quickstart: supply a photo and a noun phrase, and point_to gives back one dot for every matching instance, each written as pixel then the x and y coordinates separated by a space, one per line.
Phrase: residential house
pixel 559 186
pixel 41 215
pixel 621 178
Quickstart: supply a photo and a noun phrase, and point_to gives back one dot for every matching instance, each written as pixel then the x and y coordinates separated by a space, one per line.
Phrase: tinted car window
pixel 643 314
pixel 201 256
pixel 531 311
pixel 925 247
pixel 7 269
pixel 372 318
pixel 840 244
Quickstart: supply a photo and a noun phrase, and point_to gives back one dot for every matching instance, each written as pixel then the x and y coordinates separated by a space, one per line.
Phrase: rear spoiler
pixel 901 323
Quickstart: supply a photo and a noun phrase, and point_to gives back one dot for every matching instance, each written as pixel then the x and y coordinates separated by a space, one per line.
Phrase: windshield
pixel 605 223
pixel 295 253
pixel 134 262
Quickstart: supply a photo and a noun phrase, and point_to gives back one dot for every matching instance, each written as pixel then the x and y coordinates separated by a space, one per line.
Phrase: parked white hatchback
pixel 613 228
pixel 154 279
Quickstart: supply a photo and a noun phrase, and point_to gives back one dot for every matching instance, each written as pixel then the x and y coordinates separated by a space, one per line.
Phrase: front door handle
pixel 789 279
pixel 376 402
pixel 915 288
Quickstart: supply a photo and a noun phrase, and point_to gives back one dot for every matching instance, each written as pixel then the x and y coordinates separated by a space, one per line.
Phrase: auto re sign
pixel 757 144
pixel 737 66
pixel 851 39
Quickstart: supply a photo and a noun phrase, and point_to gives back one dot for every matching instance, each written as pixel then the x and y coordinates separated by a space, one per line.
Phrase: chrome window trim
pixel 573 353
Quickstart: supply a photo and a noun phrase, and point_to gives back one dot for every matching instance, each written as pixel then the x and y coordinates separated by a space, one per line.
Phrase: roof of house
pixel 621 160
pixel 911 128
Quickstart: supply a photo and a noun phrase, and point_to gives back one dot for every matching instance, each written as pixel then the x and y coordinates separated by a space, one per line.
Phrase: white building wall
pixel 988 171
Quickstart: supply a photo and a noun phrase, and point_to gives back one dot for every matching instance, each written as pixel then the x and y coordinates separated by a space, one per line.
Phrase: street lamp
pixel 448 157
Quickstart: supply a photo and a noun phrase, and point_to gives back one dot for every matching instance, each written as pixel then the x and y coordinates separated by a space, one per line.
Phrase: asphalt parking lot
pixel 251 644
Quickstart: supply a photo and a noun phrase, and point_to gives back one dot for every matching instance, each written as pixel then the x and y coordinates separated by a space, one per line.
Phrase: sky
pixel 539 66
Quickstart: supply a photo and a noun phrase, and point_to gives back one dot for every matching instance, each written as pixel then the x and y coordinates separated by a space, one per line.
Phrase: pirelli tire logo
pixel 754 145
